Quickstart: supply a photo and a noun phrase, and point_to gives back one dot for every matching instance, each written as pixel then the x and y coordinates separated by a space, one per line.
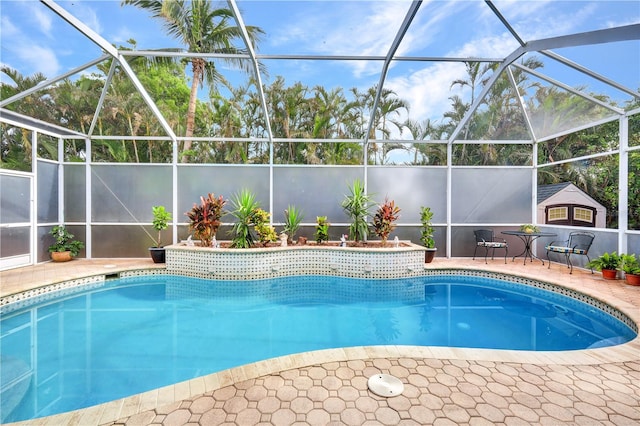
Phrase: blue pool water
pixel 137 334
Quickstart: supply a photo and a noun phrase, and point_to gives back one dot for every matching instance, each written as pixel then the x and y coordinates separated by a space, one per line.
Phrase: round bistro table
pixel 528 238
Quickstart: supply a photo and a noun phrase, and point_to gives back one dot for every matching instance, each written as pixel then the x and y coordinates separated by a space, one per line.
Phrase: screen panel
pixel 228 181
pixel 15 194
pixel 491 195
pixel 123 241
pixel 410 188
pixel 75 195
pixel 317 191
pixel 47 192
pixel 126 193
pixel 15 241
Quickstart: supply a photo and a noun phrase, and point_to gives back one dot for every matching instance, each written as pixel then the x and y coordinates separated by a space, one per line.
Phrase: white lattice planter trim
pixel 257 263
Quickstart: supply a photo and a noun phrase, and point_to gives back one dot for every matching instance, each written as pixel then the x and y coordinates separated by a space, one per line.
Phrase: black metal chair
pixel 578 243
pixel 485 238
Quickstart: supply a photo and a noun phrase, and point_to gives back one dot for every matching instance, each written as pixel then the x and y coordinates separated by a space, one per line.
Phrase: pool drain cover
pixel 385 385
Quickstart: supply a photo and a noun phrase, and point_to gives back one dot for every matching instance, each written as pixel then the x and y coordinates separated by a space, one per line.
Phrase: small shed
pixel 566 204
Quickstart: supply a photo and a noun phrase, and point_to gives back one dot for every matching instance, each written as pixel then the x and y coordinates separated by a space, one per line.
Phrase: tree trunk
pixel 198 71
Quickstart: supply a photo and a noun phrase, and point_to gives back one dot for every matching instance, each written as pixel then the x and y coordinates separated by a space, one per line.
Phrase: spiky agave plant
pixel 292 219
pixel 357 205
pixel 244 207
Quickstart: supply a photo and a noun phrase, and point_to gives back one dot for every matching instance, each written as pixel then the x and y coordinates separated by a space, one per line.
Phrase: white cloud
pixel 8 29
pixel 43 21
pixel 42 59
pixel 31 54
pixel 87 15
pixel 428 89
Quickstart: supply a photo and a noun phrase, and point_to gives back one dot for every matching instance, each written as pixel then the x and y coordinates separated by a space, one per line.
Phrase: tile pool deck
pixel 443 386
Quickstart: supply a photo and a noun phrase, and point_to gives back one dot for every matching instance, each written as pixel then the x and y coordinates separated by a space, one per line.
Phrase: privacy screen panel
pixel 317 191
pixel 411 188
pixel 491 195
pixel 15 195
pixel 75 194
pixel 228 181
pixel 126 193
pixel 47 192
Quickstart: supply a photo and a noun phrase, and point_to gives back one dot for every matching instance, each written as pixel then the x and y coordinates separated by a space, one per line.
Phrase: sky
pixel 33 39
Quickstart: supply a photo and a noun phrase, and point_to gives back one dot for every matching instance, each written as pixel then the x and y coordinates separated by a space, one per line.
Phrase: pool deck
pixel 442 386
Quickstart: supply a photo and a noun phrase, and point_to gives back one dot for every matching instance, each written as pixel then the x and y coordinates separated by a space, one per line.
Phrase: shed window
pixel 558 213
pixel 583 215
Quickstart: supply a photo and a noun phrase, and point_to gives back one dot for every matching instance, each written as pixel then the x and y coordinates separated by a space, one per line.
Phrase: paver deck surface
pixel 442 386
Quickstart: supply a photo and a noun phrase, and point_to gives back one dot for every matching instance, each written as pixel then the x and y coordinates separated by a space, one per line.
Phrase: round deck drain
pixel 385 385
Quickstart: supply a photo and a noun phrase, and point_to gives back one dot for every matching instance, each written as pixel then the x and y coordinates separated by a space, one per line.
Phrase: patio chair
pixel 486 239
pixel 578 243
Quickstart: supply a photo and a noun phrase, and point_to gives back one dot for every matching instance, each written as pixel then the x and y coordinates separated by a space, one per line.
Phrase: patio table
pixel 528 238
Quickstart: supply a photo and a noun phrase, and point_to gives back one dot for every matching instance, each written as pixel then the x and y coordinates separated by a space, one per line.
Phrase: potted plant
pixel 426 234
pixel 384 218
pixel 357 205
pixel 292 219
pixel 322 229
pixel 529 228
pixel 204 219
pixel 65 246
pixel 161 219
pixel 608 263
pixel 631 268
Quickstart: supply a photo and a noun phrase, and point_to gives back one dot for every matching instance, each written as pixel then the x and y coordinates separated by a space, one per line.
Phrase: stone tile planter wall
pixel 259 263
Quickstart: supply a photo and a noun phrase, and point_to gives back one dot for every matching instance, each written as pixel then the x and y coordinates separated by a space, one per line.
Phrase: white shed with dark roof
pixel 566 204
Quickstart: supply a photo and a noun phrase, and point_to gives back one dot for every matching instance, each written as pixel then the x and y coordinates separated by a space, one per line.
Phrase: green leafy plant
pixel 529 228
pixel 629 264
pixel 64 241
pixel 610 261
pixel 426 227
pixel 266 232
pixel 357 205
pixel 384 218
pixel 292 219
pixel 244 207
pixel 322 229
pixel 204 219
pixel 161 219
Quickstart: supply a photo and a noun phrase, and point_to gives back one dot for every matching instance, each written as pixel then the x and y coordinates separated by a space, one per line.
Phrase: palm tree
pixel 16 152
pixel 432 154
pixel 202 29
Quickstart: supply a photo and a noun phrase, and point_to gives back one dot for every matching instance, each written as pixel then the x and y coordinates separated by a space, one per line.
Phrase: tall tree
pixel 203 29
pixel 16 142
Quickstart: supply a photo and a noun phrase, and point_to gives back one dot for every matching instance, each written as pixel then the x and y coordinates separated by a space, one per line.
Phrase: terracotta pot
pixel 61 256
pixel 609 274
pixel 429 255
pixel 632 279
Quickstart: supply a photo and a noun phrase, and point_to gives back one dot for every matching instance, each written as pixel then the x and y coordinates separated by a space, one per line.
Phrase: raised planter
pixel 259 263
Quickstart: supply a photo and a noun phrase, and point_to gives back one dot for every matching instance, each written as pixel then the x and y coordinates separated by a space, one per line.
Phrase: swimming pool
pixel 81 350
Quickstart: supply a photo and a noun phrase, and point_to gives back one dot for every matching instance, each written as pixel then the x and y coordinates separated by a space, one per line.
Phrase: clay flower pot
pixel 609 274
pixel 61 256
pixel 632 279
